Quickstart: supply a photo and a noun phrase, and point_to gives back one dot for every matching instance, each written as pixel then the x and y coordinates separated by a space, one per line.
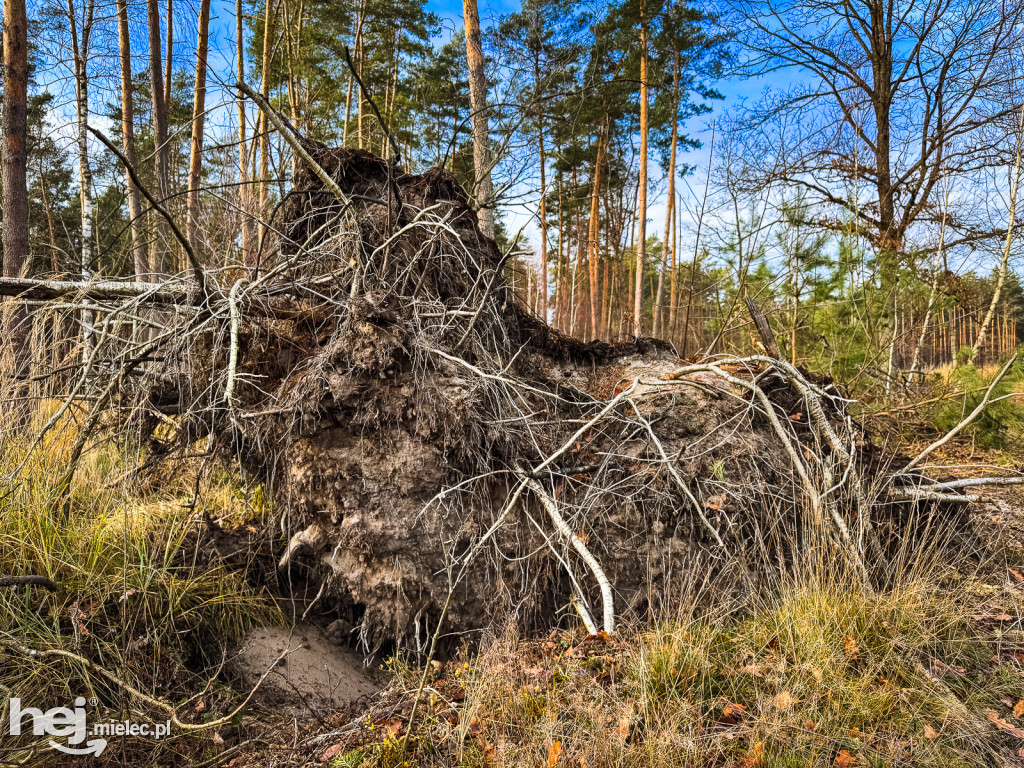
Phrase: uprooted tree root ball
pixel 439 451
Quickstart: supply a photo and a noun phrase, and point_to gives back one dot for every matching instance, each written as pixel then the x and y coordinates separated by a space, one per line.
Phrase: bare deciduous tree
pixel 884 97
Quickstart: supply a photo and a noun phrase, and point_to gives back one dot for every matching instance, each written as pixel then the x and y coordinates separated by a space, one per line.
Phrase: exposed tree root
pixel 377 371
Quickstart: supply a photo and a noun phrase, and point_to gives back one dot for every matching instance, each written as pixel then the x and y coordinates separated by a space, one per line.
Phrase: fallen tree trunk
pixel 112 290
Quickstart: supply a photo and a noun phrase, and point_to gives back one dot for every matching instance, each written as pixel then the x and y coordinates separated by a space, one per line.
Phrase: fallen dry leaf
pixel 553 753
pixel 850 647
pixel 731 713
pixel 930 733
pixel 490 753
pixel 754 757
pixel 845 760
pixel 332 751
pixel 1002 725
pixel 1018 708
pixel 1017 575
pixel 783 701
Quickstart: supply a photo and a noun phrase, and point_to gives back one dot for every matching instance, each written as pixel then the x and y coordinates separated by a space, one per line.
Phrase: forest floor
pixel 158 581
pixel 928 672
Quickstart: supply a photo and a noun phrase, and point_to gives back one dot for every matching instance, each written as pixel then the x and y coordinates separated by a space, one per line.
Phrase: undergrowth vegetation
pixel 1001 424
pixel 828 674
pixel 817 671
pixel 136 594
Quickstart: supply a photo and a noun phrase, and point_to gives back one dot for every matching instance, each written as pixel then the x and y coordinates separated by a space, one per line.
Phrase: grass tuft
pixel 135 596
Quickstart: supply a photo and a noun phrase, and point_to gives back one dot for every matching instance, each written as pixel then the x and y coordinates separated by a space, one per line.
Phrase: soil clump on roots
pixel 438 449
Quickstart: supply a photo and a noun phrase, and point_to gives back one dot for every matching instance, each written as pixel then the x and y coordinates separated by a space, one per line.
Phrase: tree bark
pixel 139 256
pixel 80 54
pixel 15 138
pixel 484 192
pixel 673 292
pixel 169 59
pixel 244 193
pixel 638 319
pixel 159 256
pixel 594 231
pixel 14 191
pixel 264 130
pixel 543 205
pixel 356 40
pixel 659 299
pixel 198 122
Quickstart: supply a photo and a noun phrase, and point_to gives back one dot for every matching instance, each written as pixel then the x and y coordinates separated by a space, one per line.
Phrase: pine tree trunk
pixel 15 138
pixel 673 294
pixel 169 59
pixel 195 163
pixel 484 191
pixel 638 319
pixel 244 192
pixel 16 330
pixel 593 233
pixel 264 128
pixel 543 214
pixel 563 268
pixel 659 300
pixel 139 255
pixel 159 260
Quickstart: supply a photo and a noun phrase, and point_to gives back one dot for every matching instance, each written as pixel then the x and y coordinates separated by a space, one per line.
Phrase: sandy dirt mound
pixel 315 674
